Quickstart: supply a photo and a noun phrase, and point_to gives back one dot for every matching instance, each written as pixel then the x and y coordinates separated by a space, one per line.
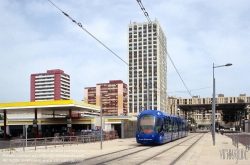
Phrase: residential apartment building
pixel 147 71
pixel 112 97
pixel 203 117
pixel 52 85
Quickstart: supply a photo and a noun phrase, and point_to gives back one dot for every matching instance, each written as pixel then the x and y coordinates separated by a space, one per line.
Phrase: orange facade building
pixel 112 97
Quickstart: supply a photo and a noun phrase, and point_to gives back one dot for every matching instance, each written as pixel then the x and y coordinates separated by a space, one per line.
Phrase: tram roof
pixel 154 112
pixel 56 107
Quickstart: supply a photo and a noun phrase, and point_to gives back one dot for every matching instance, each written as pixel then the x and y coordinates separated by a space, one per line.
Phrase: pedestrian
pixel 217 130
pixel 222 131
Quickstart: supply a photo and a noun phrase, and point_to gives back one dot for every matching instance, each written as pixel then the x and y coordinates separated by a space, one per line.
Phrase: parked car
pixel 2 135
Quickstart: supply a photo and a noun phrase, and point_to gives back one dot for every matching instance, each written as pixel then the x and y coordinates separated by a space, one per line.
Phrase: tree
pixel 229 116
pixel 240 100
pixel 192 120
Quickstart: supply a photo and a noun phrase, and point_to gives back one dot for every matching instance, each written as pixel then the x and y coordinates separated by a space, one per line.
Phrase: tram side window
pixel 159 125
pixel 167 125
pixel 180 126
pixel 175 126
pixel 170 125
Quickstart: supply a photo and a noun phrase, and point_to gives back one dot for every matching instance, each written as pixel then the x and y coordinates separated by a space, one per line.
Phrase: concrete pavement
pixel 224 152
pixel 203 152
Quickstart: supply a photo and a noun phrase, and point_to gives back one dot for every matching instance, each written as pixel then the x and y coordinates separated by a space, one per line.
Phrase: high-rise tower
pixel 147 56
pixel 53 85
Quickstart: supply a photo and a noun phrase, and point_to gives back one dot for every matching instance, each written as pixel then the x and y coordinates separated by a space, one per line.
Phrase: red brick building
pixel 52 85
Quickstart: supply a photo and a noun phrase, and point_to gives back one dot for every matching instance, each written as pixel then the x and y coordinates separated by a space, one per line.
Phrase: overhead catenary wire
pixel 80 25
pixel 150 23
pixel 190 90
pixel 144 11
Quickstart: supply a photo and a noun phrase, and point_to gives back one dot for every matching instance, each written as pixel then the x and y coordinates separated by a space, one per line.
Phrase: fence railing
pixel 235 141
pixel 247 143
pixel 60 141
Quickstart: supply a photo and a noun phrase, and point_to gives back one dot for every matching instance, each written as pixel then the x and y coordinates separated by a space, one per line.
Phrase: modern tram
pixel 157 127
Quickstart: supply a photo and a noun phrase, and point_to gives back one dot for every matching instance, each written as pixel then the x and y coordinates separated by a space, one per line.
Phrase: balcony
pixel 44 76
pixel 43 97
pixel 44 90
pixel 66 84
pixel 65 77
pixel 65 93
pixel 44 80
pixel 64 97
pixel 44 93
pixel 44 83
pixel 44 86
pixel 65 87
pixel 65 80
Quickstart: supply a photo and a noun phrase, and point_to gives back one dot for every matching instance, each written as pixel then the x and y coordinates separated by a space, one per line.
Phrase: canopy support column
pixel 4 125
pixel 35 124
pixel 70 117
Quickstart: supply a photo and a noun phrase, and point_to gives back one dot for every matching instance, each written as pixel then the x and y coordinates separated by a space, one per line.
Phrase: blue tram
pixel 157 127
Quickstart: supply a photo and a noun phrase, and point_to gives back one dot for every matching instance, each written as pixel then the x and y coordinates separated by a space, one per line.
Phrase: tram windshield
pixel 146 124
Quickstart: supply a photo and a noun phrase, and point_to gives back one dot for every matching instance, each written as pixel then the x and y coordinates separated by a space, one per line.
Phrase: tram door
pixel 179 129
pixel 168 130
pixel 175 129
pixel 183 129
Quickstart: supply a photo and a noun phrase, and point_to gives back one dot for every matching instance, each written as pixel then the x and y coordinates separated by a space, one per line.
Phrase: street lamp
pixel 147 95
pixel 213 105
pixel 101 118
pixel 26 134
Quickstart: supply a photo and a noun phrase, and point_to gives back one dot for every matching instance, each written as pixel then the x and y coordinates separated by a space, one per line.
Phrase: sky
pixel 35 37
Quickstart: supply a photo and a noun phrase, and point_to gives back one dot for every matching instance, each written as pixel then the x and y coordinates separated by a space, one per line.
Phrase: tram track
pixel 102 159
pixel 168 149
pixel 183 153
pixel 119 156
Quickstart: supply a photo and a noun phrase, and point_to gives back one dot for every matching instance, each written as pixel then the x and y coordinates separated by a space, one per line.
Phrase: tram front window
pixel 146 124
